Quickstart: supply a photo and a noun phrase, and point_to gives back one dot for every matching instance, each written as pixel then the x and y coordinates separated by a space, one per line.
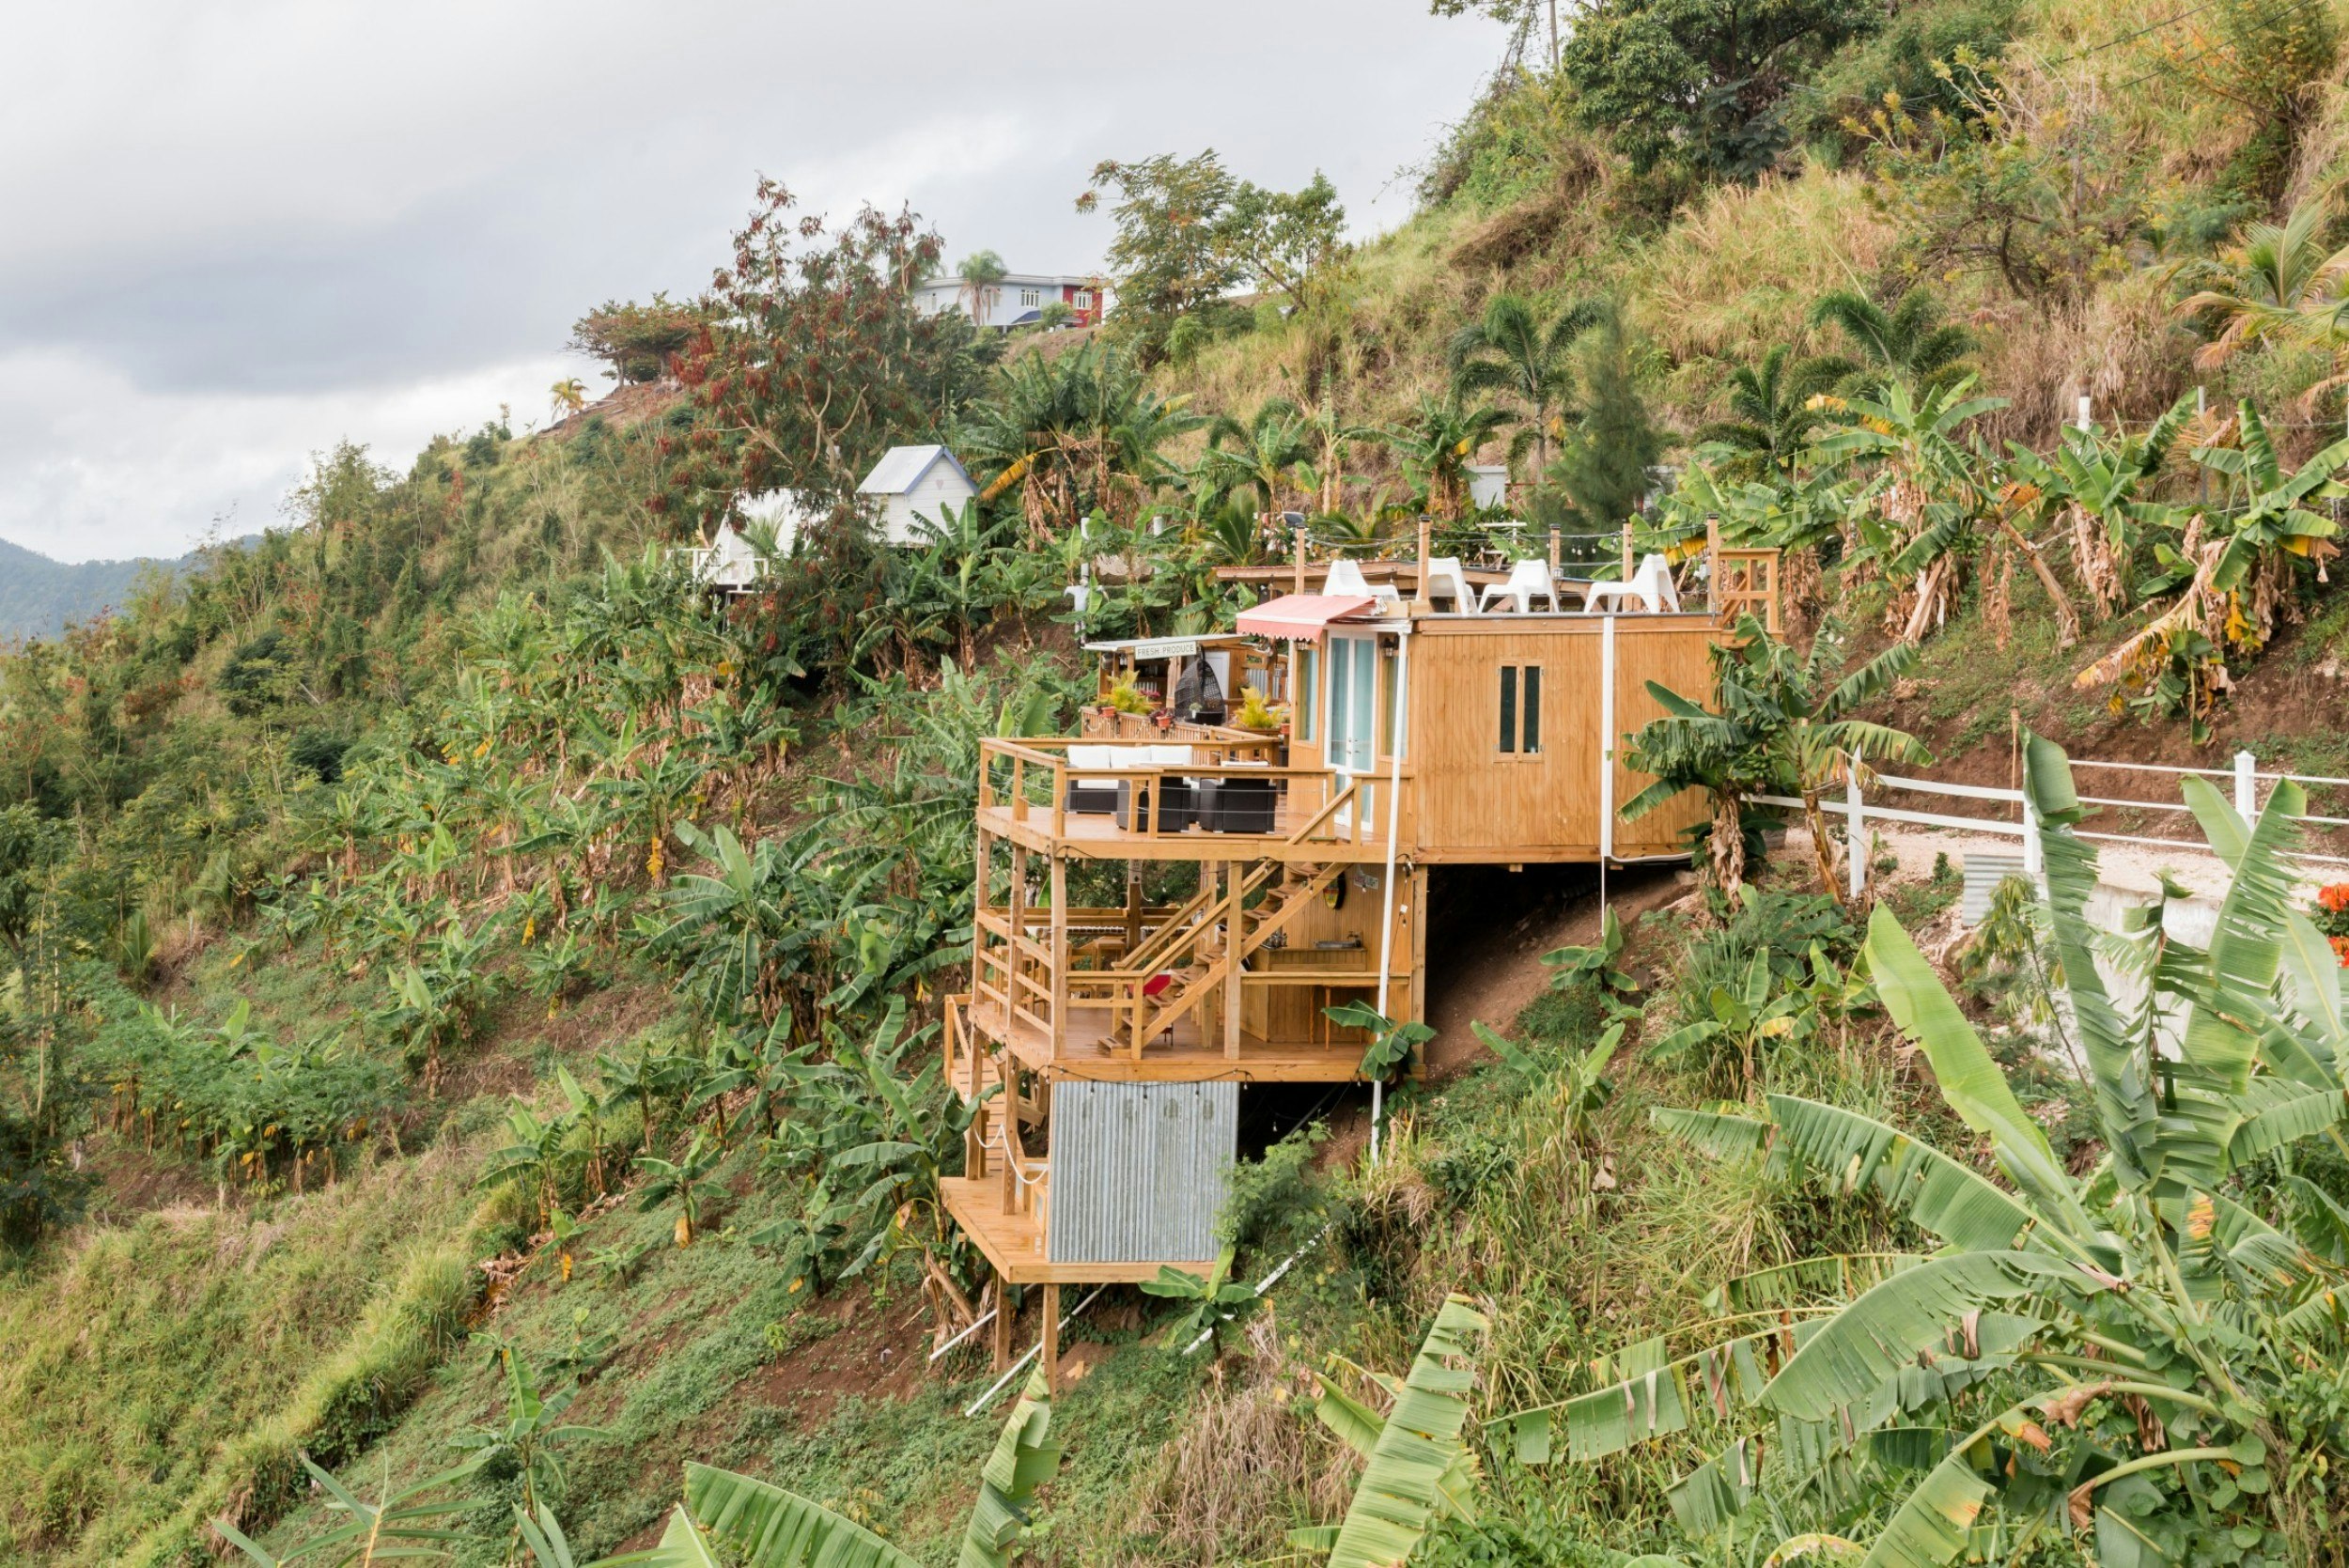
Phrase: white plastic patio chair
pixel 1446 580
pixel 1345 577
pixel 1652 585
pixel 1529 579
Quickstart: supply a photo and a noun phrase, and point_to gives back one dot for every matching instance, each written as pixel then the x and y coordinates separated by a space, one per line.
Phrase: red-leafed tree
pixel 810 360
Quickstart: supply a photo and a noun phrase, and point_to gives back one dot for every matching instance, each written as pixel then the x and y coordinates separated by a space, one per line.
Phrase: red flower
pixel 2335 898
pixel 2340 949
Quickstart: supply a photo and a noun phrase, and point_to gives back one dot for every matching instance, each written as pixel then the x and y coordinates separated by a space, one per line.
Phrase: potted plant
pixel 1257 715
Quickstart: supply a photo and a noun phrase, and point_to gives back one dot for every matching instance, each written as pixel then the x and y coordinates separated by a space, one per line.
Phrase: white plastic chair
pixel 1446 580
pixel 1345 577
pixel 1529 579
pixel 1652 585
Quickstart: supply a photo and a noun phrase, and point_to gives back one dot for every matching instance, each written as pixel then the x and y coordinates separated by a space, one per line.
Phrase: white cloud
pixel 242 230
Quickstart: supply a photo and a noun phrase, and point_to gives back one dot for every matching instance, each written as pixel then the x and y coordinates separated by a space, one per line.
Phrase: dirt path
pixel 1507 972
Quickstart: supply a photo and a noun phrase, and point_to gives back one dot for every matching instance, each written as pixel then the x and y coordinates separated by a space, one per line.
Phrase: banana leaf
pixel 1024 1459
pixel 771 1528
pixel 1417 1445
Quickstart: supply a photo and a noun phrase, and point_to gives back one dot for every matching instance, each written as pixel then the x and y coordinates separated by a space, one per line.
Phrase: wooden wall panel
pixel 1476 803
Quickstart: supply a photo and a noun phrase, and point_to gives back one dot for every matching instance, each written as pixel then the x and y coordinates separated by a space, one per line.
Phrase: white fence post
pixel 2246 786
pixel 2034 854
pixel 1855 830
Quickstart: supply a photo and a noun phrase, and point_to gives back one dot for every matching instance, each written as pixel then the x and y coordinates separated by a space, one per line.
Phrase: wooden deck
pixel 1014 1243
pixel 1180 1057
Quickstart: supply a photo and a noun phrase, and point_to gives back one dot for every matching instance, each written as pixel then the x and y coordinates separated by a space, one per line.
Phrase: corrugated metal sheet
pixel 1139 1170
pixel 1984 872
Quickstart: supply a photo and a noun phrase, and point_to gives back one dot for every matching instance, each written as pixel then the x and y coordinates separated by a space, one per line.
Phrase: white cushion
pixel 1172 756
pixel 1091 756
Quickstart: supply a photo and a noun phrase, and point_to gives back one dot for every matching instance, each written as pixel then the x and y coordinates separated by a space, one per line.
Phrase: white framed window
pixel 1031 298
pixel 1084 300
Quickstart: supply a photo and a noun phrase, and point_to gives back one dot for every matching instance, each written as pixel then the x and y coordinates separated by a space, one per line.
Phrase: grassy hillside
pixel 450 955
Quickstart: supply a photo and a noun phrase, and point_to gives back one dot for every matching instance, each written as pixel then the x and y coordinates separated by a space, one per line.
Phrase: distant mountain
pixel 39 597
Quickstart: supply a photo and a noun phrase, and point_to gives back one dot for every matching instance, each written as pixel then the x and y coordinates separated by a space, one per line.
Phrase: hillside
pixel 38 597
pixel 471 991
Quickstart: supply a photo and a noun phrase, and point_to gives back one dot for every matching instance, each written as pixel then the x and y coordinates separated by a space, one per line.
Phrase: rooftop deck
pixel 1012 1241
pixel 1180 1053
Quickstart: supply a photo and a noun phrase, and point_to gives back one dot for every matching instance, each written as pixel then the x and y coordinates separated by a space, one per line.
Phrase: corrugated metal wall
pixel 1984 872
pixel 1139 1170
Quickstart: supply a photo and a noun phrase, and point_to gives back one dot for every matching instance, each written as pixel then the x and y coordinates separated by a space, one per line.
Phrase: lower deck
pixel 1327 1054
pixel 1012 1241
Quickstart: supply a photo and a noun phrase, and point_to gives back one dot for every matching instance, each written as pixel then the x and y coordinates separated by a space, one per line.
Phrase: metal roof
pixel 1167 647
pixel 901 468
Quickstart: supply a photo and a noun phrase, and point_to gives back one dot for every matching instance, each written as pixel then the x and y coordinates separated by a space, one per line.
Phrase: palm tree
pixel 570 394
pixel 1771 414
pixel 1511 353
pixel 1908 342
pixel 2278 285
pixel 1437 444
pixel 982 274
pixel 1262 456
pixel 1072 433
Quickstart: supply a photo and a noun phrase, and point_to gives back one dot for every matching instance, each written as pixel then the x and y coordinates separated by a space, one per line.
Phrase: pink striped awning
pixel 1300 617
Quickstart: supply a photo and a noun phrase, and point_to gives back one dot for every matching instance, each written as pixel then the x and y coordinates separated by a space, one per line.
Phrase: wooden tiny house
pixel 1162 912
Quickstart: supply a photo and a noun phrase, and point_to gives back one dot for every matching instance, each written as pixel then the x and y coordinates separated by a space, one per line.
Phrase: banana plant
pixel 1573 968
pixel 685 1179
pixel 400 1524
pixel 532 1433
pixel 1419 1467
pixel 1390 1042
pixel 1745 1022
pixel 730 1518
pixel 2127 1353
pixel 1210 1301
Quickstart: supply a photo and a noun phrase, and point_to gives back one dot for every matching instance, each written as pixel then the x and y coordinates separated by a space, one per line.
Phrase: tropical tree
pixel 1437 442
pixel 1072 432
pixel 1783 720
pixel 1910 343
pixel 1771 415
pixel 1606 463
pixel 570 394
pixel 2277 287
pixel 2140 1351
pixel 2103 487
pixel 982 274
pixel 1511 353
pixel 1262 456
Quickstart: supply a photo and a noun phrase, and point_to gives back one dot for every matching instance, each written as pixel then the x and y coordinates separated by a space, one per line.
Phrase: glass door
pixel 1353 703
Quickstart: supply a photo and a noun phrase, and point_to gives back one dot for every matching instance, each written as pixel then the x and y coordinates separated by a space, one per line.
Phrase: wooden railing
pixel 1030 778
pixel 994 1140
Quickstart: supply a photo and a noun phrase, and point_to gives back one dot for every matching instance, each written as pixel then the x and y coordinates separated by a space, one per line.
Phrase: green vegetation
pixel 443 922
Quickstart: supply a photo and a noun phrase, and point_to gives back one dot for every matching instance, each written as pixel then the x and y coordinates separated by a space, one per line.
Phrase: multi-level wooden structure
pixel 1162 919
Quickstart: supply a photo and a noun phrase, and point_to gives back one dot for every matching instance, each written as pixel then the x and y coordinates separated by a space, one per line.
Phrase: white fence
pixel 2015 819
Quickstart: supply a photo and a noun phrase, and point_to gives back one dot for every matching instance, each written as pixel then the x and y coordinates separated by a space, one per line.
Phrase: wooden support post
pixel 1301 560
pixel 1234 874
pixel 1420 601
pixel 1051 1339
pixel 1059 954
pixel 999 1336
pixel 1556 543
pixel 1016 914
pixel 1713 565
pixel 1412 912
pixel 1133 905
pixel 984 854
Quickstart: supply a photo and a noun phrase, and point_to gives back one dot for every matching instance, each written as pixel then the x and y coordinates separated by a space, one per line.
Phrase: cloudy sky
pixel 238 233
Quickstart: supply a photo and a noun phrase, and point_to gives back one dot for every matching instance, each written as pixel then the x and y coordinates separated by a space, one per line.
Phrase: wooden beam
pixel 1235 879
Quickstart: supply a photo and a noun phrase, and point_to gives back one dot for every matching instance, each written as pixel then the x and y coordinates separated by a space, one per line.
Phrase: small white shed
pixel 1488 484
pixel 910 481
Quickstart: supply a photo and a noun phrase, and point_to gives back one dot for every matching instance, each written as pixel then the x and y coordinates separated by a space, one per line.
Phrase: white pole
pixel 2246 786
pixel 1856 828
pixel 1395 810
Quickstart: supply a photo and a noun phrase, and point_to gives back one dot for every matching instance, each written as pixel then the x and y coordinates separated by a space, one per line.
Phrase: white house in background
pixel 729 563
pixel 780 510
pixel 910 481
pixel 1015 300
pixel 1488 484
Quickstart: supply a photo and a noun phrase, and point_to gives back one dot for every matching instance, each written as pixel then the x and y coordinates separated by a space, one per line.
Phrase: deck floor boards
pixel 1014 1243
pixel 1179 1057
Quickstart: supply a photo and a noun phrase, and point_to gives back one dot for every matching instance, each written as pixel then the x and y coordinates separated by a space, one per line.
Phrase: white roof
pixel 901 468
pixel 1015 279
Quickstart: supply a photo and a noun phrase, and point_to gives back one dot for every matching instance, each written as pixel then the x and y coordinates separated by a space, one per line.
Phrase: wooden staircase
pixel 1200 955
